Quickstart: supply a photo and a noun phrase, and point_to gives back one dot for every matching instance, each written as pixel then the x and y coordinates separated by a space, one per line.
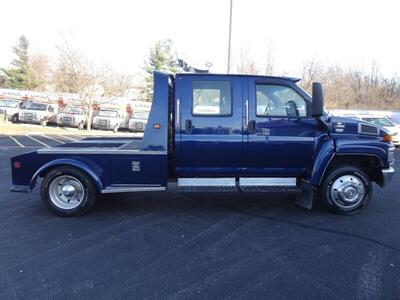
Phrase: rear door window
pixel 211 98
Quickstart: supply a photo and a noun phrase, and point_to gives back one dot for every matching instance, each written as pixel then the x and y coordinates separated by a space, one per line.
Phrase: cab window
pixel 211 98
pixel 279 101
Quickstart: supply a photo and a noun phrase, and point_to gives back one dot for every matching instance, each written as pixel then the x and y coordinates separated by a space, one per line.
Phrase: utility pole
pixel 230 37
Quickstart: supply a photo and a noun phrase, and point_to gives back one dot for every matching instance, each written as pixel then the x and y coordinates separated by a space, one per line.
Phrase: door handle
pixel 188 126
pixel 252 126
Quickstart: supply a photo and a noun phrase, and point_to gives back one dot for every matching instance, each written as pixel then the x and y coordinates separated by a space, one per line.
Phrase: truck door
pixel 209 139
pixel 281 134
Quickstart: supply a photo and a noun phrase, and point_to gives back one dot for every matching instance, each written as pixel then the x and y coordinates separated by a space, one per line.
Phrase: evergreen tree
pixel 20 76
pixel 161 58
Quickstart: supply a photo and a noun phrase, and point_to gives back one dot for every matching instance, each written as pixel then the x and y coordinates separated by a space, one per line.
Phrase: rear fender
pixel 68 162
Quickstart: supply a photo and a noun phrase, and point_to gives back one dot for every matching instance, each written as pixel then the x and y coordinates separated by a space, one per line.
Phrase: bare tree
pixel 247 63
pixel 310 71
pixel 116 84
pixel 75 73
pixel 270 61
pixel 40 70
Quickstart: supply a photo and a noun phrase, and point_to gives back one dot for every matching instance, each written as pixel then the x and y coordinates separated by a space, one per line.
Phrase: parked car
pixel 11 108
pixel 38 113
pixel 138 121
pixel 72 117
pixel 108 119
pixel 393 129
pixel 266 134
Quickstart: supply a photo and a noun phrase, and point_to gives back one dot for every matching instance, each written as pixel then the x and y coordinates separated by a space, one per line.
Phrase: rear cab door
pixel 209 125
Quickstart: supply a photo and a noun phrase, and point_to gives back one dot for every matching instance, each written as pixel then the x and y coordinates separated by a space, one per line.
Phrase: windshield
pixel 36 106
pixel 9 103
pixel 380 121
pixel 108 113
pixel 74 111
pixel 141 115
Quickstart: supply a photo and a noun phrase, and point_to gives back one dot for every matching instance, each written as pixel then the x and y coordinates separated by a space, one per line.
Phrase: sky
pixel 352 33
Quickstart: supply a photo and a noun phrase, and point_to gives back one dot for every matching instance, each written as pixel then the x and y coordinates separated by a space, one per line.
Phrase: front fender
pixel 67 162
pixel 324 156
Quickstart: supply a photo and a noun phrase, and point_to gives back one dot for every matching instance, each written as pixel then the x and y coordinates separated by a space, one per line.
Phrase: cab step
pixel 269 185
pixel 245 184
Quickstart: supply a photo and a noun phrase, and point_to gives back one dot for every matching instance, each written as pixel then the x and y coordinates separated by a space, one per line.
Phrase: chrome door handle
pixel 178 106
pixel 246 121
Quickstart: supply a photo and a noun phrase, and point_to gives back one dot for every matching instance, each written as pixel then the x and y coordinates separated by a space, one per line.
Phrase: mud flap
pixel 306 198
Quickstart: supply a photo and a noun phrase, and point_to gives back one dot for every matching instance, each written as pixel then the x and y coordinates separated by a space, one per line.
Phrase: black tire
pixel 43 123
pixel 15 118
pixel 115 129
pixel 357 179
pixel 81 126
pixel 89 197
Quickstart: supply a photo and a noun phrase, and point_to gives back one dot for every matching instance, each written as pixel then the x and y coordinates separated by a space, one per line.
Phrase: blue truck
pixel 220 133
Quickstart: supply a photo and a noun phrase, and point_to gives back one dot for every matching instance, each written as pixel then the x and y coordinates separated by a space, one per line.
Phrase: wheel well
pixel 51 168
pixel 371 165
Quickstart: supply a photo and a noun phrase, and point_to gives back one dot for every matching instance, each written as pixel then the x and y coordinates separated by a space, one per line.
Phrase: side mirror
pixel 317 108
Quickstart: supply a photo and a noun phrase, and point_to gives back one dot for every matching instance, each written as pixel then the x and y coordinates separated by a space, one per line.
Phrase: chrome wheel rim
pixel 66 192
pixel 347 191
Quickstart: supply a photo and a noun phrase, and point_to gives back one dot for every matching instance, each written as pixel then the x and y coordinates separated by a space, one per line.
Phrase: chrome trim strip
pixel 290 139
pixel 206 182
pixel 246 105
pixel 267 181
pixel 98 151
pixel 133 189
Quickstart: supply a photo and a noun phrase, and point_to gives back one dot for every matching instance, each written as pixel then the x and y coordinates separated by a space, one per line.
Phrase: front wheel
pixel 346 190
pixel 81 126
pixel 68 191
pixel 14 118
pixel 115 129
pixel 43 123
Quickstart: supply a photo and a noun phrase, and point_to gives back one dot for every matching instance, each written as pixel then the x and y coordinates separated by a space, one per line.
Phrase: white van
pixel 38 113
pixel 11 108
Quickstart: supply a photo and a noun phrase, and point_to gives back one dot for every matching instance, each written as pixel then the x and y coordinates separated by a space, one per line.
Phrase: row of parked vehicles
pixel 109 117
pixel 390 120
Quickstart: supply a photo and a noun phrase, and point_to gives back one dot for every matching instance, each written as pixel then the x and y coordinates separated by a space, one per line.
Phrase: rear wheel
pixel 68 191
pixel 346 190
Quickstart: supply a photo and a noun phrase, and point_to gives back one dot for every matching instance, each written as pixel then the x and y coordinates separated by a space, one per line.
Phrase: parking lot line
pixel 37 141
pixel 16 141
pixel 50 138
pixel 68 138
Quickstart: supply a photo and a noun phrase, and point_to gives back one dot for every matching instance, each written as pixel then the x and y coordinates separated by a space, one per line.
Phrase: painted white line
pixel 68 138
pixel 16 141
pixel 50 138
pixel 27 135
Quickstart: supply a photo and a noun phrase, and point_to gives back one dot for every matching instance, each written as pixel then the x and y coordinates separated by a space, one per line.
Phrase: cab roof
pixel 292 79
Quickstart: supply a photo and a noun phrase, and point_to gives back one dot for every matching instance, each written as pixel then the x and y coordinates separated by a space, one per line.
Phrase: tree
pixel 75 73
pixel 40 70
pixel 162 57
pixel 20 75
pixel 247 64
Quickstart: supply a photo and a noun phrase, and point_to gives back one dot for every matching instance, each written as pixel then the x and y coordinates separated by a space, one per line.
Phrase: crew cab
pixel 221 133
pixel 11 108
pixel 38 113
pixel 72 117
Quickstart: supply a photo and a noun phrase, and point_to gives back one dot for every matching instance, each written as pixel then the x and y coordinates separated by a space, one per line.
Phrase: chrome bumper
pixel 387 176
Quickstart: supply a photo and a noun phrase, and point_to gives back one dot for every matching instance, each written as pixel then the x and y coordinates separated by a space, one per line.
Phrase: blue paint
pixel 181 143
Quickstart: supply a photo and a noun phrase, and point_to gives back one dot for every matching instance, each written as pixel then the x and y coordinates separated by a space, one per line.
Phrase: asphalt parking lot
pixel 183 246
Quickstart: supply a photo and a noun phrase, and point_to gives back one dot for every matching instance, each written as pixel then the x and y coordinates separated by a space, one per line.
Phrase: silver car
pixel 72 117
pixel 10 109
pixel 138 121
